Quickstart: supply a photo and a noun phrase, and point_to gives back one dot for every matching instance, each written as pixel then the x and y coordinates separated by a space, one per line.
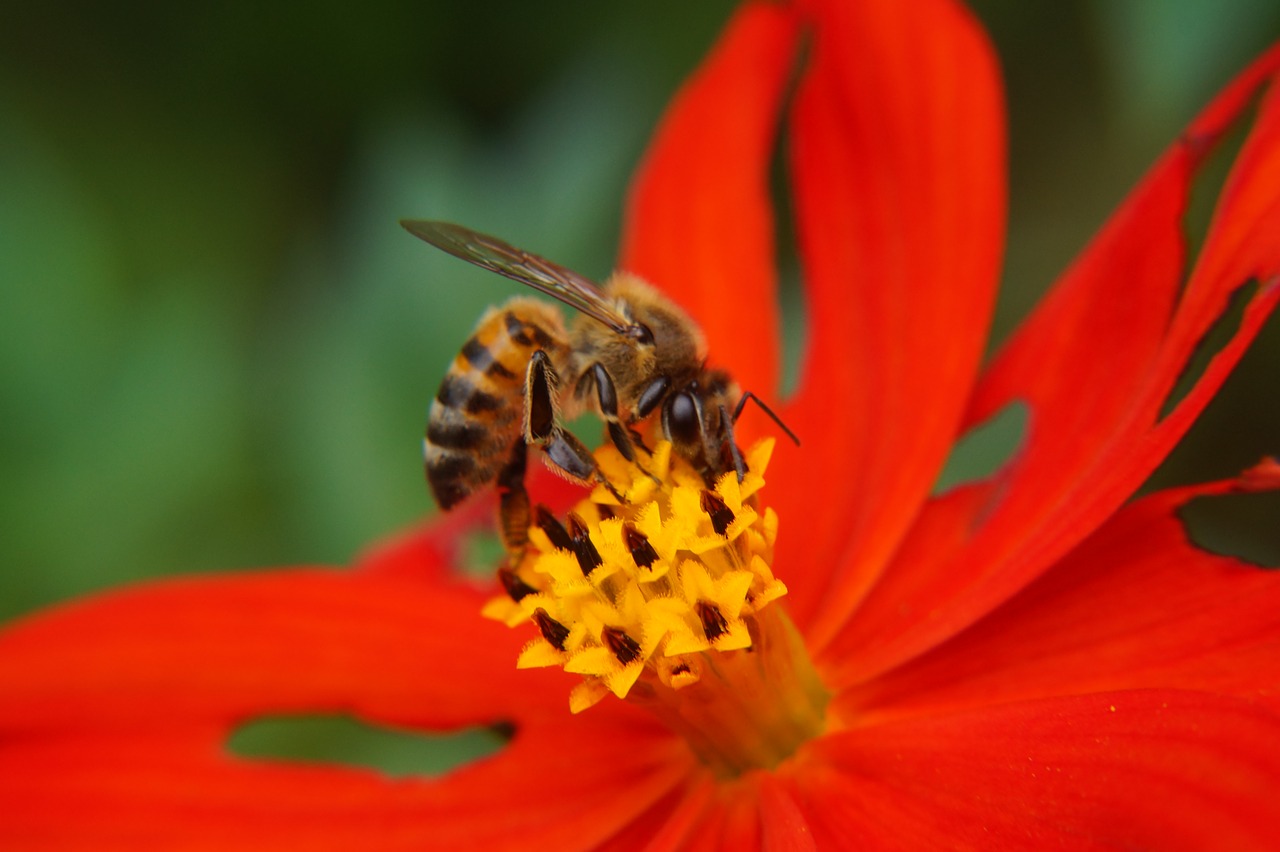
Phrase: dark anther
pixel 588 557
pixel 638 544
pixel 721 515
pixel 554 529
pixel 713 623
pixel 517 589
pixel 552 630
pixel 626 649
pixel 680 668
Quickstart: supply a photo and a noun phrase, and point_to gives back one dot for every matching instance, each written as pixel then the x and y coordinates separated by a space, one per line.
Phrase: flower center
pixel 667 601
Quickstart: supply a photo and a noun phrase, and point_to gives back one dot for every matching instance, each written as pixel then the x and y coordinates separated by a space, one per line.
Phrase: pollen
pixel 667 598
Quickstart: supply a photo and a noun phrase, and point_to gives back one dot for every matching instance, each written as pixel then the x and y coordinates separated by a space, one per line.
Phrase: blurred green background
pixel 216 345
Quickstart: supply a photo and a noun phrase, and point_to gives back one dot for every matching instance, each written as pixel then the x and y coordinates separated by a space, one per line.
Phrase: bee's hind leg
pixel 513 502
pixel 572 460
pixel 568 456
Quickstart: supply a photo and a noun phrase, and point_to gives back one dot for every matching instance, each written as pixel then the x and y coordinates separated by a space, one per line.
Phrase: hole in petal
pixel 792 312
pixel 985 448
pixel 795 324
pixel 1239 425
pixel 791 302
pixel 1242 526
pixel 350 742
pixel 1211 343
pixel 1208 181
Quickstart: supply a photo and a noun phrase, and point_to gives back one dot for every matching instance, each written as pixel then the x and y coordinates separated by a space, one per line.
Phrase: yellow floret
pixel 671 591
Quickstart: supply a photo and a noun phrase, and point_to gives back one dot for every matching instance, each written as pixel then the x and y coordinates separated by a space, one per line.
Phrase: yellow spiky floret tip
pixel 681 571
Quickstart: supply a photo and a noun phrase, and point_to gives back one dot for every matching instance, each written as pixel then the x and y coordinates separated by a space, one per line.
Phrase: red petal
pixel 1095 364
pixel 1135 606
pixel 900 195
pixel 669 822
pixel 734 823
pixel 436 550
pixel 699 222
pixel 752 812
pixel 178 791
pixel 1139 770
pixel 432 551
pixel 218 649
pixel 117 709
pixel 783 824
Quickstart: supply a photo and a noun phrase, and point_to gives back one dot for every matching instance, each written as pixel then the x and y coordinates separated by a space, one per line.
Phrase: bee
pixel 629 353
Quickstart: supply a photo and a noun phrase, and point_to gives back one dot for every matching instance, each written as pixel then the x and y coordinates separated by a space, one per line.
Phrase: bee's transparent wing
pixel 519 265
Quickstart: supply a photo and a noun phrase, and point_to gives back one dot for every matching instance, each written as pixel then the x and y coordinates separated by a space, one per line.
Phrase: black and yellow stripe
pixel 475 419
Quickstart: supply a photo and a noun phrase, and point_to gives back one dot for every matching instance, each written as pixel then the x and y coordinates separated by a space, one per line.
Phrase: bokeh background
pixel 216 345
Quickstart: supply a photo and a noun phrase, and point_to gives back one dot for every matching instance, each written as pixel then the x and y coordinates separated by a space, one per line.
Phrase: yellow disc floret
pixel 644 587
pixel 664 599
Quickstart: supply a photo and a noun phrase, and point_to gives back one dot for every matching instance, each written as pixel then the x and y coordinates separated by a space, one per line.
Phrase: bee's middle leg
pixel 619 434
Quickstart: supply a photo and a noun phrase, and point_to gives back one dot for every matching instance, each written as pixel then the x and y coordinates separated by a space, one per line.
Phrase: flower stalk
pixel 751 708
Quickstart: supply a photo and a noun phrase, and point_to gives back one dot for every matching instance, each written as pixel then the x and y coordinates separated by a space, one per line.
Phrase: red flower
pixel 1023 661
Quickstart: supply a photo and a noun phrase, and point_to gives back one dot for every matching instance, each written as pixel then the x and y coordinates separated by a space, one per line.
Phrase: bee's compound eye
pixel 682 423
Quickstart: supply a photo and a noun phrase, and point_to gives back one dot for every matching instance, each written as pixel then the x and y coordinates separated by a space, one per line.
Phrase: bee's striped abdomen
pixel 475 418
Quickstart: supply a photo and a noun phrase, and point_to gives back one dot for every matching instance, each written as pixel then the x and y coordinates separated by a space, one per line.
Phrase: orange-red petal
pixel 434 551
pixel 732 822
pixel 899 162
pixel 1149 769
pixel 117 710
pixel 1095 365
pixel 783 824
pixel 165 789
pixel 670 822
pixel 1135 606
pixel 221 649
pixel 700 222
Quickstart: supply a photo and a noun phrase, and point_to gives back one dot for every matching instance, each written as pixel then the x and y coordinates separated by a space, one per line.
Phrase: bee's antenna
pixel 742 403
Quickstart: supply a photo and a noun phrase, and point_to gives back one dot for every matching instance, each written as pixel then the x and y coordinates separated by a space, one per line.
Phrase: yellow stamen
pixel 666 601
